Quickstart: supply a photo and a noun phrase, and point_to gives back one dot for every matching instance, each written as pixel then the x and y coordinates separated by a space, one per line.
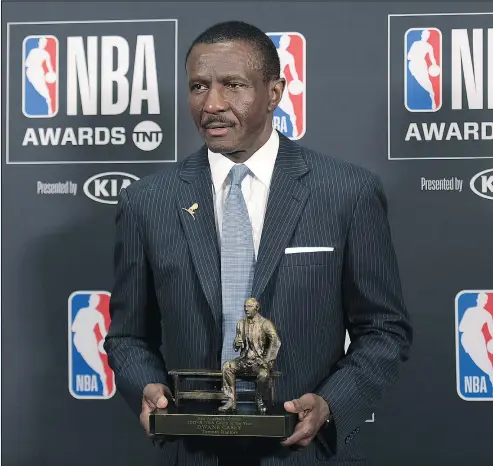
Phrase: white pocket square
pixel 307 249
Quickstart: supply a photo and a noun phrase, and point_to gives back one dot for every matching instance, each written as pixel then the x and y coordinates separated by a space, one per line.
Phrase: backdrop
pixel 95 97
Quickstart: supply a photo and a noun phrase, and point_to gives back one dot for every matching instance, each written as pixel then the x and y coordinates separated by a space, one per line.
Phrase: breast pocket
pixel 309 258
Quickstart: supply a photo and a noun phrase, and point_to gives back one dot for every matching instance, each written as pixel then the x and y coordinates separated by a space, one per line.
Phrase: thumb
pixel 162 402
pixel 155 394
pixel 294 406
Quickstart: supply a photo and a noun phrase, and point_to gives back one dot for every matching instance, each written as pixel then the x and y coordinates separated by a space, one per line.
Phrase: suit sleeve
pixel 274 342
pixel 134 338
pixel 375 316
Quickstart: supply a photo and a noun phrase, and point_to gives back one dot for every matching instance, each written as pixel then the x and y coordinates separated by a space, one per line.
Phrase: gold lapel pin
pixel 191 210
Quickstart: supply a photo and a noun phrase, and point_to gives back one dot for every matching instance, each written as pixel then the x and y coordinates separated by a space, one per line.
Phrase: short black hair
pixel 240 31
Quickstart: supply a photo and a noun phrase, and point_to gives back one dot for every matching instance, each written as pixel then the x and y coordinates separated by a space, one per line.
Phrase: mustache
pixel 216 119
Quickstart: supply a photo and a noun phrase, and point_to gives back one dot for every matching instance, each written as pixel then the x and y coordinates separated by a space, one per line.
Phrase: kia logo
pixel 105 187
pixel 482 184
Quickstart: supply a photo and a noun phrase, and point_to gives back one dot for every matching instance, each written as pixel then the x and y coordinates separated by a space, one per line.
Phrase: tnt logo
pixel 90 376
pixel 474 345
pixel 290 116
pixel 423 79
pixel 40 76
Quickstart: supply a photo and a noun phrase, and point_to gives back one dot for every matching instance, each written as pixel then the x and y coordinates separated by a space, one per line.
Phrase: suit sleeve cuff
pixel 347 408
pixel 132 387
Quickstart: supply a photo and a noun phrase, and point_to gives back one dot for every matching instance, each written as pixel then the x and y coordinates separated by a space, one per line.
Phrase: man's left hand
pixel 313 412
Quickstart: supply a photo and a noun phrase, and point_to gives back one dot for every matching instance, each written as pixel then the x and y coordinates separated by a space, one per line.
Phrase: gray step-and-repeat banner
pixel 95 97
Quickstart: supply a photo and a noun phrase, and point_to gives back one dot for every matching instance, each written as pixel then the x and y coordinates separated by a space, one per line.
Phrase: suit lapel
pixel 287 198
pixel 200 229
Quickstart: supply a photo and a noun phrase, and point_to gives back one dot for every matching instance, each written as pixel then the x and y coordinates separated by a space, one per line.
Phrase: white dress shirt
pixel 255 188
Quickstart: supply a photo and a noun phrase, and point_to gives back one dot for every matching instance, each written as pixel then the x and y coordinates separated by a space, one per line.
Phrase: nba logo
pixel 90 376
pixel 423 66
pixel 290 116
pixel 40 76
pixel 474 345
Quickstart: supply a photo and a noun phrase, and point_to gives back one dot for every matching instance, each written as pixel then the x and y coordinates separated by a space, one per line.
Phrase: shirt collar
pixel 261 163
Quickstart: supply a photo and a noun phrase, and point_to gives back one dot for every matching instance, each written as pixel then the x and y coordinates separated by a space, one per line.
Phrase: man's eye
pixel 195 87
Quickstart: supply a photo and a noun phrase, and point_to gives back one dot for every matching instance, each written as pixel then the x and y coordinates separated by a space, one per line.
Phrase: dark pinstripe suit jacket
pixel 166 300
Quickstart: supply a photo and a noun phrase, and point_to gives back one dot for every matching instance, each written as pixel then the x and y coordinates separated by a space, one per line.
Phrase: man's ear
pixel 276 89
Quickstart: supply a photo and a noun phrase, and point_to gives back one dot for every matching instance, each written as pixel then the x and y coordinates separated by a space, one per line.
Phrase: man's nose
pixel 215 101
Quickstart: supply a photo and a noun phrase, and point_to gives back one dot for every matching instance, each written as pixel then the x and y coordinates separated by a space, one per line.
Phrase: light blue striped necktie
pixel 237 260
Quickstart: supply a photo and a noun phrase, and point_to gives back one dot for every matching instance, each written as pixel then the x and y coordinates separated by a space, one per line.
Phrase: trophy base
pixel 204 419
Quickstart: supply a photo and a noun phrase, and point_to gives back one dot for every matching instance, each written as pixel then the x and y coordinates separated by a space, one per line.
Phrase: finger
pixel 306 441
pixel 303 430
pixel 305 402
pixel 144 421
pixel 154 394
pixel 309 400
pixel 296 406
pixel 147 407
pixel 303 415
pixel 162 402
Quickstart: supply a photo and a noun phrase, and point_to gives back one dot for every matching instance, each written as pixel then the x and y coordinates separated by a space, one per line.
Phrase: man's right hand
pixel 156 395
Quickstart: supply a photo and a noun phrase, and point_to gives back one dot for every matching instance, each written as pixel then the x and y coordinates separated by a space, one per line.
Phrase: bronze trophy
pixel 200 412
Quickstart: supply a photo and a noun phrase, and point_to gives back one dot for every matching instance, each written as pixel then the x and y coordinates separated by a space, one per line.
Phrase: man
pixel 259 199
pixel 257 338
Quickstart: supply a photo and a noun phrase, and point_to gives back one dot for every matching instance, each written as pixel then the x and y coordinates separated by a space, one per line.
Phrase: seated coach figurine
pixel 257 338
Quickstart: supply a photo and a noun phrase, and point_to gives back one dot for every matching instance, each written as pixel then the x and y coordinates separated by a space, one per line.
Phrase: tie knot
pixel 237 173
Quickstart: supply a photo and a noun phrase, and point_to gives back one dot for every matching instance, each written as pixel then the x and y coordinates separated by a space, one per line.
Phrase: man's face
pixel 251 309
pixel 229 101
